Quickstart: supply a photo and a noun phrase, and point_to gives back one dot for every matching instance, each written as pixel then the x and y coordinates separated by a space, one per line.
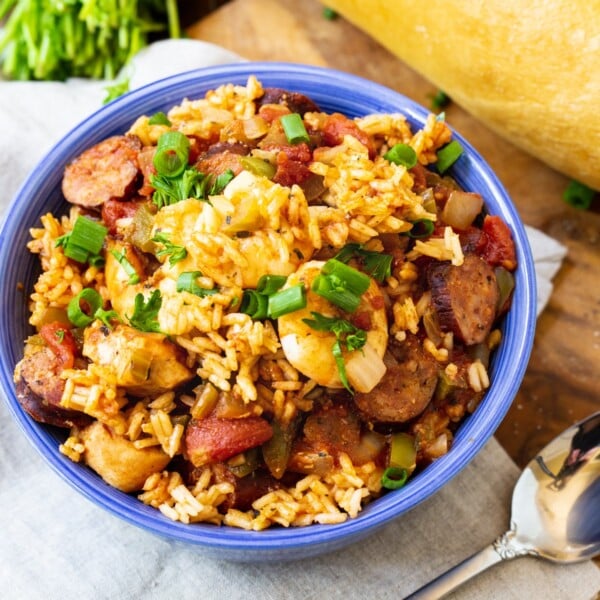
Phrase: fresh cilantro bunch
pixel 57 39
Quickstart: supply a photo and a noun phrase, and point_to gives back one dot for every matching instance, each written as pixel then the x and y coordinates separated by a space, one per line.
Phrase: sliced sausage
pixel 464 298
pixel 222 156
pixel 107 170
pixel 212 439
pixel 41 372
pixel 407 386
pixel 296 102
pixel 42 411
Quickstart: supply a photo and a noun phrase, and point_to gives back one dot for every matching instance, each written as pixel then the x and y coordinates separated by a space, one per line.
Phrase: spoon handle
pixel 503 548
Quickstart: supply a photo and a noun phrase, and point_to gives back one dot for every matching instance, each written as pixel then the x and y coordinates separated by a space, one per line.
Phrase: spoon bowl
pixel 554 512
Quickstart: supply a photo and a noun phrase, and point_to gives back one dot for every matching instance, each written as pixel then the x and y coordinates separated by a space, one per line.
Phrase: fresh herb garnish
pixel 190 184
pixel 145 312
pixel 186 282
pixel 126 265
pixel 377 264
pixel 347 336
pixel 174 252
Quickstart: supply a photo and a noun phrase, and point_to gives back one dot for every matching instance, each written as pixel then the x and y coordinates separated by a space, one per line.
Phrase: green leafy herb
pixel 347 336
pixel 190 184
pixel 145 312
pixel 127 266
pixel 186 282
pixel 52 40
pixel 107 316
pixel 174 252
pixel 378 265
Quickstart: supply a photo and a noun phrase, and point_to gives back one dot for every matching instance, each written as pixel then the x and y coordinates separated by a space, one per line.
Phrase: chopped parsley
pixel 347 336
pixel 145 313
pixel 174 252
pixel 190 184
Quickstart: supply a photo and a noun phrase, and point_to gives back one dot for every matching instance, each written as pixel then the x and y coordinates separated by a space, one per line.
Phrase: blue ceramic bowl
pixel 332 91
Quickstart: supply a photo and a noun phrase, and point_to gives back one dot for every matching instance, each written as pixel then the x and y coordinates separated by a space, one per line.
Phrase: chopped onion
pixel 365 369
pixel 255 127
pixel 461 208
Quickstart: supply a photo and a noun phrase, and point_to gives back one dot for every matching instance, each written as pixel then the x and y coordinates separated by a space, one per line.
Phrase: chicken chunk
pixel 117 460
pixel 143 363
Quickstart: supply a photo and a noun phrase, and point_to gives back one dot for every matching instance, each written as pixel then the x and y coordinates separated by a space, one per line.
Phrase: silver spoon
pixel 555 510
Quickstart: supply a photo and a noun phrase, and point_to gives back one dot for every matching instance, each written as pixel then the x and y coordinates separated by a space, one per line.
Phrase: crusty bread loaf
pixel 529 69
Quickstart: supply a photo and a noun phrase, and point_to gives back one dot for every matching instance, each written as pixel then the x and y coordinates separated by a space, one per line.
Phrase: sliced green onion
pixel 421 228
pixel 579 195
pixel 76 314
pixel 172 153
pixel 85 239
pixel 186 282
pixel 294 129
pixel 394 478
pixel 145 312
pixel 350 278
pixel 286 301
pixel 269 284
pixel 254 304
pixel 336 294
pixel 159 118
pixel 448 155
pixel 258 166
pixel 402 154
pixel 126 266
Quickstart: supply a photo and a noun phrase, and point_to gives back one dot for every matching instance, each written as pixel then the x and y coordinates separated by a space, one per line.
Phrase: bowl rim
pixel 519 327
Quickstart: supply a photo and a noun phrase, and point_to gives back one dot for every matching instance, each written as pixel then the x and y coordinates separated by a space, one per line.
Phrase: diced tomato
pixel 113 210
pixel 61 341
pixel 337 126
pixel 213 439
pixel 362 319
pixel 292 163
pixel 496 245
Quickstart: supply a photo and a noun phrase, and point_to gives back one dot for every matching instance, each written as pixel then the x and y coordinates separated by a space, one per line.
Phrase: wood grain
pixel 562 382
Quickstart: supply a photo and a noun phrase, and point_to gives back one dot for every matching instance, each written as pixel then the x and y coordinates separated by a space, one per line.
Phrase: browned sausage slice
pixel 407 386
pixel 108 170
pixel 43 412
pixel 296 102
pixel 464 298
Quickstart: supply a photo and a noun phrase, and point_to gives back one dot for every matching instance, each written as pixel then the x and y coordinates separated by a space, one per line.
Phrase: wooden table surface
pixel 562 381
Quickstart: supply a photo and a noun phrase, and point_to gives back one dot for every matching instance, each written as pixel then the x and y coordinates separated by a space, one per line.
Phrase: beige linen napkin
pixel 55 544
